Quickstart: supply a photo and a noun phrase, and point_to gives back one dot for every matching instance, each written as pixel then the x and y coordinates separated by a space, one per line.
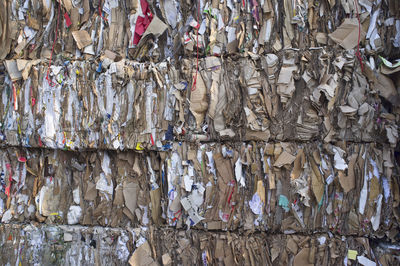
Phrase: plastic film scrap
pixel 164 132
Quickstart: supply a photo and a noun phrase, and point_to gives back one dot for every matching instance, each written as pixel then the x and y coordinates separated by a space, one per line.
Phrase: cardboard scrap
pixel 301 259
pixel 155 28
pixel 166 259
pixel 317 183
pixel 155 197
pixel 12 69
pixel 130 190
pixel 198 100
pixel 224 167
pixel 347 34
pixel 386 88
pixel 91 191
pixel 142 256
pixel 388 68
pixel 82 38
pixel 298 164
pixel 285 83
pixel 284 159
pixel 5 38
pixel 348 182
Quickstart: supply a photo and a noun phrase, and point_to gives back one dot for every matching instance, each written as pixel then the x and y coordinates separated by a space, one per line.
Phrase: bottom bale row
pixel 79 245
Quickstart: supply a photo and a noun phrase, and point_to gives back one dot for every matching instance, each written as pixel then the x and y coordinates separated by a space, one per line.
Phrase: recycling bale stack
pixel 200 132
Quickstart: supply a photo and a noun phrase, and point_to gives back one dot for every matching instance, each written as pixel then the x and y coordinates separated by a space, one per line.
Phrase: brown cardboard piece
pixel 75 19
pixel 116 35
pixel 347 34
pixel 301 259
pixel 198 100
pixel 321 37
pixel 82 38
pixel 67 4
pixel 348 182
pixel 119 197
pixel 166 259
pixel 12 69
pixel 284 158
pixel 316 181
pixel 298 164
pixel 27 68
pixel 387 70
pixel 223 167
pixel 5 38
pixel 142 256
pixel 50 201
pixel 155 197
pixel 386 88
pixel 285 83
pixel 91 191
pixel 156 28
pixel 130 191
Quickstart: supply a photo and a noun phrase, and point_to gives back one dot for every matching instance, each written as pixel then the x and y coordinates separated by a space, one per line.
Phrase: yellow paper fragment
pixel 138 147
pixel 352 254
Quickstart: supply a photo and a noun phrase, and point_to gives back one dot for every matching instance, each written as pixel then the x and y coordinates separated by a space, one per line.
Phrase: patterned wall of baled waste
pixel 199 132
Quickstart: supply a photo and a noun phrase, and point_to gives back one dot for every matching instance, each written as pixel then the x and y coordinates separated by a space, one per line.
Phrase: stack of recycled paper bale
pixel 200 132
